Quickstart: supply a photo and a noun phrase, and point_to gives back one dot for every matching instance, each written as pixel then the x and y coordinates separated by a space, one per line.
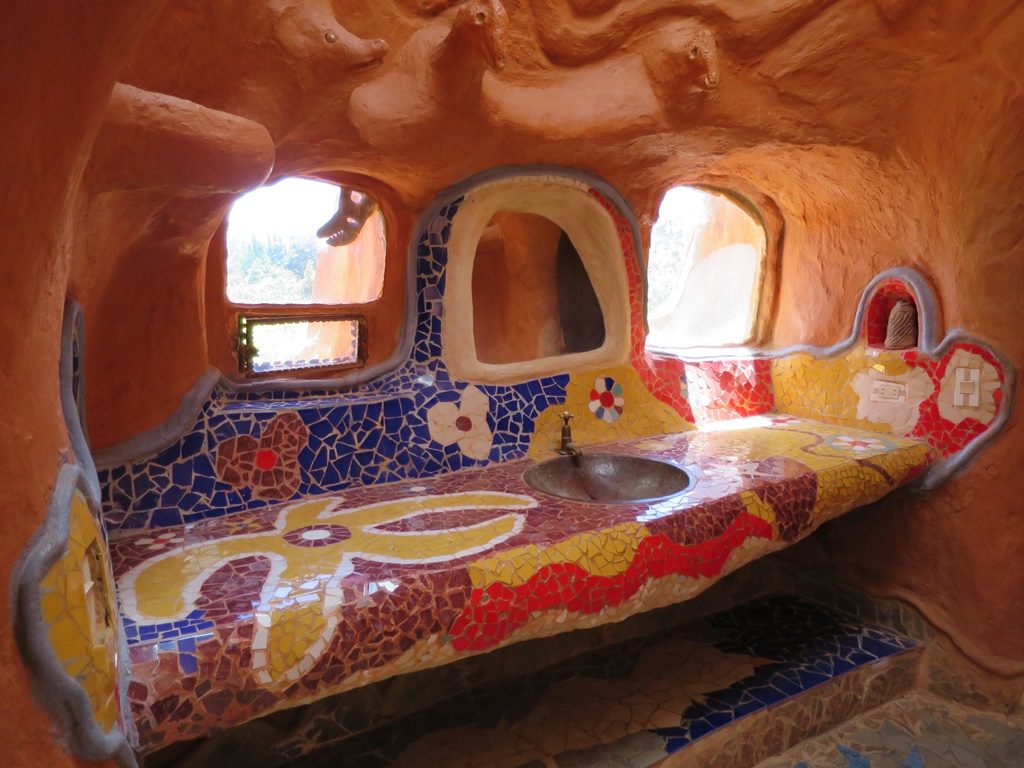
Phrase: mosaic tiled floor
pixel 233 618
pixel 634 704
pixel 915 731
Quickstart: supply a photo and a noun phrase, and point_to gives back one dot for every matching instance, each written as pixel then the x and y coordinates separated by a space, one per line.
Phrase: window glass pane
pixel 275 256
pixel 532 296
pixel 704 271
pixel 300 344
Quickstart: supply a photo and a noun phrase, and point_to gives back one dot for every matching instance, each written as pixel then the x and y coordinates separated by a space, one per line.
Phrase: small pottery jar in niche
pixel 901 333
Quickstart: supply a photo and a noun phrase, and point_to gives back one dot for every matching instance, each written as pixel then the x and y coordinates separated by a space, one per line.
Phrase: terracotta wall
pixel 159 178
pixel 956 552
pixel 930 176
pixel 515 306
pixel 57 66
pixel 886 132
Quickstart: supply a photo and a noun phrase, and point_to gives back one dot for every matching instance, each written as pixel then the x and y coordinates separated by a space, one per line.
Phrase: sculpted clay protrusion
pixel 435 76
pixel 682 65
pixel 354 208
pixel 586 30
pixel 896 10
pixel 276 62
pixel 305 27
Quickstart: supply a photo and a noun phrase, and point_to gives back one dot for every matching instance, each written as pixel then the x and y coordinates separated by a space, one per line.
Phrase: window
pixel 297 251
pixel 704 272
pixel 278 344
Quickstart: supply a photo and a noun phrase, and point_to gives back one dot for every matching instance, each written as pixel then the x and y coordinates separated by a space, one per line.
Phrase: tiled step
pixel 826 668
pixel 914 731
pixel 728 690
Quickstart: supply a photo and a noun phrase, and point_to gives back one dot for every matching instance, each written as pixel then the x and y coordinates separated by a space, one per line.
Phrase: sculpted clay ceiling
pixel 421 91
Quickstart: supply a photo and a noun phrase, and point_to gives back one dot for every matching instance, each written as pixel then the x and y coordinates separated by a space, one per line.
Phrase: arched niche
pixel 587 227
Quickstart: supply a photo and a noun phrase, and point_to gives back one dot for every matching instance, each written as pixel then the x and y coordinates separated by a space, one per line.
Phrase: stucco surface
pixel 869 134
pixel 58 65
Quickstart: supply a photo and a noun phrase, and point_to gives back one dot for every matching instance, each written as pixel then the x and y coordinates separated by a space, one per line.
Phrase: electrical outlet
pixel 888 392
pixel 967 391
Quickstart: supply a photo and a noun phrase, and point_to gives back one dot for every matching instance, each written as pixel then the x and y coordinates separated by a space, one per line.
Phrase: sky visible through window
pixel 703 271
pixel 272 259
pixel 289 208
pixel 683 214
pixel 272 242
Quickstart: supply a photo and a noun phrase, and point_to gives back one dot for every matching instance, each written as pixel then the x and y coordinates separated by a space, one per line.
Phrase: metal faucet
pixel 566 448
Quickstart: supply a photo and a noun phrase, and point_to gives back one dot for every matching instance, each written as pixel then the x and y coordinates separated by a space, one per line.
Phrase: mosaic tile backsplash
pixel 247 450
pixel 290 545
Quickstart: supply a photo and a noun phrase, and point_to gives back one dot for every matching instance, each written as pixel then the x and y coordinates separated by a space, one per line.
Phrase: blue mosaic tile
pixel 371 433
pixel 165 633
pixel 807 646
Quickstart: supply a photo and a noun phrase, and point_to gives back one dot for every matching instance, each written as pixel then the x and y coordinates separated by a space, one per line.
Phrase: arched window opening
pixel 298 253
pixel 704 272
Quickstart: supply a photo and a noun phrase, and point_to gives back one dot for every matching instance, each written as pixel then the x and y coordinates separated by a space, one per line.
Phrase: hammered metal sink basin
pixel 607 478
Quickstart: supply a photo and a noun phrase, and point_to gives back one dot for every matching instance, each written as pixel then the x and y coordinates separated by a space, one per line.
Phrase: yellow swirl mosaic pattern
pixel 311 550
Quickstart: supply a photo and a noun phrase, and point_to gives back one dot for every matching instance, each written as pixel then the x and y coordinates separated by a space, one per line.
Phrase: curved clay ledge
pixel 59 693
pixel 945 625
pixel 72 391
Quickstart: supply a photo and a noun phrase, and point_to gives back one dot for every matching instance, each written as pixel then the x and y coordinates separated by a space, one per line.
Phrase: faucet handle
pixel 565 416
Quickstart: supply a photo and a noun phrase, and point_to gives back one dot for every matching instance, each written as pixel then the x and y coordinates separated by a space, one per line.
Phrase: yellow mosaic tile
pixel 641 415
pixel 600 553
pixel 838 389
pixel 77 605
pixel 312 550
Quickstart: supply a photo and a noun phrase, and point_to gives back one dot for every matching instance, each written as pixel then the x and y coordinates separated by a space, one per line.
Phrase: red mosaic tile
pixel 386 610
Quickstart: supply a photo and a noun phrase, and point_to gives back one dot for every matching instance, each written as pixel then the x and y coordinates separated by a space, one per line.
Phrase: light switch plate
pixel 967 393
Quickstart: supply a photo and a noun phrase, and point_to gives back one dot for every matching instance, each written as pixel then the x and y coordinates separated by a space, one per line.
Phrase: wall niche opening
pixel 532 295
pixel 891 319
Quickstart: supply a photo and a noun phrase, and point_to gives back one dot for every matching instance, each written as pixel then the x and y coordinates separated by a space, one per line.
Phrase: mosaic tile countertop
pixel 237 617
pixel 244 451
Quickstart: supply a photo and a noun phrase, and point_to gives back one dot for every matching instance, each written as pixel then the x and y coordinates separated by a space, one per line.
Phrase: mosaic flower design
pixel 464 424
pixel 160 541
pixel 311 550
pixel 606 399
pixel 857 444
pixel 269 465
